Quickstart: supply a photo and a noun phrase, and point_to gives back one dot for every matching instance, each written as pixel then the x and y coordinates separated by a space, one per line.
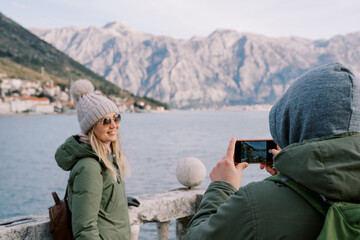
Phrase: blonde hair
pixel 100 149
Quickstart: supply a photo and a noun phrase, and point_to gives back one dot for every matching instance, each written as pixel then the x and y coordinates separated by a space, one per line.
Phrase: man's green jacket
pixel 329 166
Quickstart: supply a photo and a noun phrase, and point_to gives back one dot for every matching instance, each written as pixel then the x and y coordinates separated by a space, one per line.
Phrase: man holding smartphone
pixel 316 123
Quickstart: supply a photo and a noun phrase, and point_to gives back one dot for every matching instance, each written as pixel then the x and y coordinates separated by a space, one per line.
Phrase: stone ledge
pixel 163 207
pixel 158 207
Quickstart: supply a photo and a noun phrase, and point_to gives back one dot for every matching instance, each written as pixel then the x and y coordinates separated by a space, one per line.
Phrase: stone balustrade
pixel 179 205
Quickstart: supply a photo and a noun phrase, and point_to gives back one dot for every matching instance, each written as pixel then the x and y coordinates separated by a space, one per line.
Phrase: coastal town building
pixel 10 85
pixel 51 90
pixel 160 109
pixel 20 104
pixel 43 108
pixel 28 91
pixel 62 96
pixel 5 108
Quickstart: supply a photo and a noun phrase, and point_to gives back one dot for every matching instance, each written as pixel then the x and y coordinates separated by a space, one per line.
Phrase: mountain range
pixel 225 68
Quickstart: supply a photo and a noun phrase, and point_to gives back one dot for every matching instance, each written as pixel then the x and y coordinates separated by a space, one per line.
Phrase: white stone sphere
pixel 190 172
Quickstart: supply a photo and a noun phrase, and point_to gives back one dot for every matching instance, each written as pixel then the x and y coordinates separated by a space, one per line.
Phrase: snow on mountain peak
pixel 120 26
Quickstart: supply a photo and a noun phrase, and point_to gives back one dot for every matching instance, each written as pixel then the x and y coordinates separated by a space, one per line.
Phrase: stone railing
pixel 179 205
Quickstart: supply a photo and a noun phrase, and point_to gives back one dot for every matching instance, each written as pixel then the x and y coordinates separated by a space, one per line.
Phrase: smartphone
pixel 254 151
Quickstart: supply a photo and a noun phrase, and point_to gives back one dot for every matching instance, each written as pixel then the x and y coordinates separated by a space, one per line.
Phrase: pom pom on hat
pixel 90 107
pixel 80 88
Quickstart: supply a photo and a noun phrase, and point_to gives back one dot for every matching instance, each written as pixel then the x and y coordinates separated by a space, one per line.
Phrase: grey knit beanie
pixel 90 107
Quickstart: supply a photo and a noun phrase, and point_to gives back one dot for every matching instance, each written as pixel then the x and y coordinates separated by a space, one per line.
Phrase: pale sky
pixel 313 19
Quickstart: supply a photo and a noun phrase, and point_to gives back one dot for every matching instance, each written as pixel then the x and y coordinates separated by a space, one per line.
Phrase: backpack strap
pixel 66 192
pixel 56 197
pixel 316 200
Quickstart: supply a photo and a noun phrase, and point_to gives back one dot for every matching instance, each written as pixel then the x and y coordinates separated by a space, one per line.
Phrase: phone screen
pixel 254 151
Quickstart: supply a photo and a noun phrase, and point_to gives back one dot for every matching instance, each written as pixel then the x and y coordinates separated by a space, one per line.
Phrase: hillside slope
pixel 24 55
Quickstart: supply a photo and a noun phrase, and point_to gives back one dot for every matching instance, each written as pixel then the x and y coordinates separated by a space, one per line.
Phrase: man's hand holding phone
pixel 257 151
pixel 225 170
pixel 269 166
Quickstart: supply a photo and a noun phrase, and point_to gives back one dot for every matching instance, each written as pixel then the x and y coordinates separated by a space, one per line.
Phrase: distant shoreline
pixel 65 113
pixel 258 107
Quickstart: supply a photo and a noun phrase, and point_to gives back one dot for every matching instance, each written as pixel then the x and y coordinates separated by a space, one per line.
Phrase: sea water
pixel 153 144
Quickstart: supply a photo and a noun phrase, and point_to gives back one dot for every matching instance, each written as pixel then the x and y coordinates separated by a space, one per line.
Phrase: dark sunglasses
pixel 116 118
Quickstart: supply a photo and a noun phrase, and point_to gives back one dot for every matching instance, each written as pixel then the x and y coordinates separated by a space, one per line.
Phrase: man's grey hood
pixel 323 101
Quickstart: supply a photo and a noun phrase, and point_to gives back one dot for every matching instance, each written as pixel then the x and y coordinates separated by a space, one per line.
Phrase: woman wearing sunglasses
pixel 96 191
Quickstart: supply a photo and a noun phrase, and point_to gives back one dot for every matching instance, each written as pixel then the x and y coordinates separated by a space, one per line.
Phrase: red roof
pixel 29 98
